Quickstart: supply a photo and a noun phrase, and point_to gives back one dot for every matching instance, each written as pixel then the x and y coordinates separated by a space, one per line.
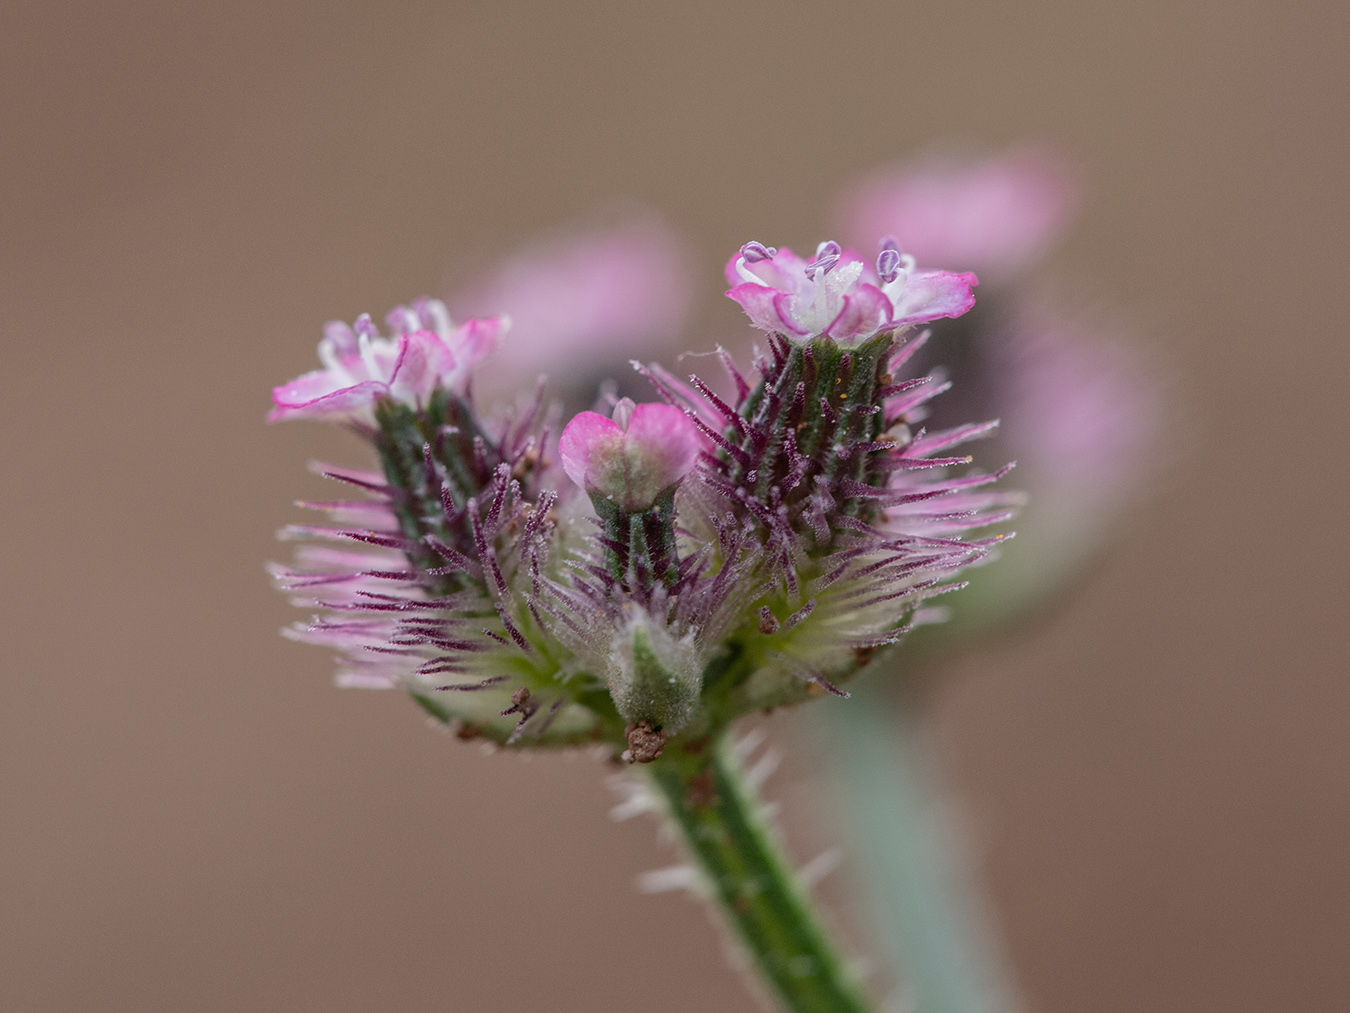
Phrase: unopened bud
pixel 630 459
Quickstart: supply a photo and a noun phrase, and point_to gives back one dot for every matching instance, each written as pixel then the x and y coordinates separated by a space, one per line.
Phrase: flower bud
pixel 630 459
pixel 653 676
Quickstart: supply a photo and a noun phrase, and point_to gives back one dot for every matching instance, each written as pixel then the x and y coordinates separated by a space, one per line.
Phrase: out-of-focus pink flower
pixel 632 458
pixel 1082 414
pixel 1079 412
pixel 994 215
pixel 424 351
pixel 839 295
pixel 585 297
pixel 1082 410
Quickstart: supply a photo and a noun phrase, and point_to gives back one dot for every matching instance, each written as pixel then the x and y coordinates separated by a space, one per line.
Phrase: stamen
pixel 367 350
pixel 827 257
pixel 339 337
pixel 433 316
pixel 891 262
pixel 888 264
pixel 365 326
pixel 401 320
pixel 338 340
pixel 754 252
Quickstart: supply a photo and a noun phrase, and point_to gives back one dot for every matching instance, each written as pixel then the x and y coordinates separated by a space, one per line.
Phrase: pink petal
pixel 786 272
pixel 341 337
pixel 662 446
pixel 384 355
pixel 630 468
pixel 409 372
pixel 732 275
pixel 306 388
pixel 865 311
pixel 928 295
pixel 475 338
pixel 295 400
pixel 767 308
pixel 423 359
pixel 588 437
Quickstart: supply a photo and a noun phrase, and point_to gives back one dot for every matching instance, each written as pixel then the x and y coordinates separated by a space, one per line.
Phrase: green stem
pixel 708 798
pixel 929 916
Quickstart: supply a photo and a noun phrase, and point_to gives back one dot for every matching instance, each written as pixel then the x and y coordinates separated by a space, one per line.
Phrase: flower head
pixel 736 554
pixel 839 295
pixel 423 352
pixel 632 457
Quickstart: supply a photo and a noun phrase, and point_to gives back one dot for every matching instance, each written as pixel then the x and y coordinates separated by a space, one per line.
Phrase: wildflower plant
pixel 645 575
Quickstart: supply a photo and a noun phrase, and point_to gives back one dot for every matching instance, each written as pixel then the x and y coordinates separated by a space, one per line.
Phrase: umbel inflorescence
pixel 651 572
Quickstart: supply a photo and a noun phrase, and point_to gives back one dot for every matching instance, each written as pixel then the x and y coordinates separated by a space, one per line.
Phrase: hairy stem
pixel 708 798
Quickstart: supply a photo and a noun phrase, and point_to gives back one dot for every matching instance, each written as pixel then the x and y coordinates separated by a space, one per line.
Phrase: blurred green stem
pixel 928 914
pixel 708 798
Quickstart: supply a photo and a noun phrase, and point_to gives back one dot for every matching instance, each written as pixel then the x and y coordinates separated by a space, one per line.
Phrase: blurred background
pixel 1156 779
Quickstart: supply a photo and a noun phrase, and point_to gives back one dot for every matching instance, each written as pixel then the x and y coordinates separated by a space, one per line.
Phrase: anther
pixel 888 264
pixel 755 252
pixel 827 257
pixel 365 326
pixel 402 320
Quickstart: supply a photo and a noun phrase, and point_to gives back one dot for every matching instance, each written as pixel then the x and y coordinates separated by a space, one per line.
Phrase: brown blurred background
pixel 192 817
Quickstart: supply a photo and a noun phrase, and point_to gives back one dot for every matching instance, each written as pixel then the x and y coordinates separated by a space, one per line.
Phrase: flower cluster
pixel 660 569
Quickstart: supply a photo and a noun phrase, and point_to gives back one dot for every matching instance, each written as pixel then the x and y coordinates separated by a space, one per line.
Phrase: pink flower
pixel 632 458
pixel 995 215
pixel 583 298
pixel 1082 413
pixel 425 351
pixel 839 295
